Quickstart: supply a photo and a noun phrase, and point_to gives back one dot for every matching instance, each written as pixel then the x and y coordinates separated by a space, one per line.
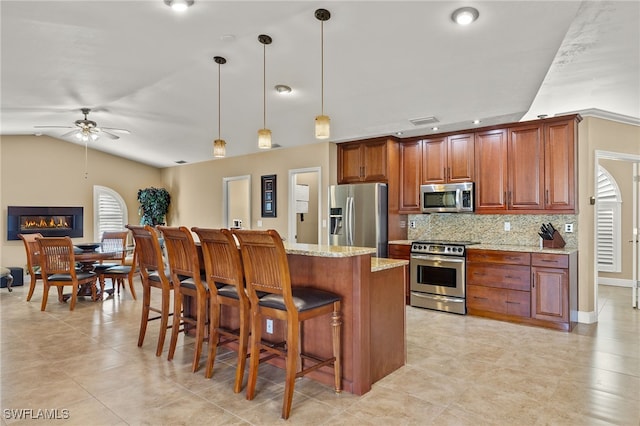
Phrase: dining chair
pixel 225 280
pixel 118 273
pixel 115 241
pixel 33 263
pixel 57 262
pixel 266 269
pixel 188 281
pixel 153 274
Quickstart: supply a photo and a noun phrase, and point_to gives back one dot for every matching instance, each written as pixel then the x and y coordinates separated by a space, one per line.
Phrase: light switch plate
pixel 568 227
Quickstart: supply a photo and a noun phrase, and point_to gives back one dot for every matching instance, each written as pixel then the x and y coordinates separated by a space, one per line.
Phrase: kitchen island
pixel 373 312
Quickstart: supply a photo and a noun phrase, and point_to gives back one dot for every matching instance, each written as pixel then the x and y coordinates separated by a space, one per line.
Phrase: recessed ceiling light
pixel 228 37
pixel 434 128
pixel 179 5
pixel 476 121
pixel 283 89
pixel 542 116
pixel 465 15
pixel 398 133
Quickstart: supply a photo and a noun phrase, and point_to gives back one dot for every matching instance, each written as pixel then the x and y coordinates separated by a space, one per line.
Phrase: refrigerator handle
pixel 349 221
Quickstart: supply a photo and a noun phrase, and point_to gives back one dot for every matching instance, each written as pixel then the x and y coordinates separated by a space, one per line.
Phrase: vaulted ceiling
pixel 142 67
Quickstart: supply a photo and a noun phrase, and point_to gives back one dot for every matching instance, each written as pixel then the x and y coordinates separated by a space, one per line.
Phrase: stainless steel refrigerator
pixel 358 216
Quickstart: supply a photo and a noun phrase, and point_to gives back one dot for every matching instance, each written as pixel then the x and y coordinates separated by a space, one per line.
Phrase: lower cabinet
pixel 533 288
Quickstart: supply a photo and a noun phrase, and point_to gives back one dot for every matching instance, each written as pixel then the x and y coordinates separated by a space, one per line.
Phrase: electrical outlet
pixel 412 224
pixel 568 227
pixel 269 326
pixel 259 223
pixel 507 226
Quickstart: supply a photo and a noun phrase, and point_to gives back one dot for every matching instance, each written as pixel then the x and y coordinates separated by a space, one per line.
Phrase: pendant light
pixel 264 134
pixel 322 121
pixel 219 145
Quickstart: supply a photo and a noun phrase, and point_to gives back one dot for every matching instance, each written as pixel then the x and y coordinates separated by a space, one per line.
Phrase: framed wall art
pixel 269 196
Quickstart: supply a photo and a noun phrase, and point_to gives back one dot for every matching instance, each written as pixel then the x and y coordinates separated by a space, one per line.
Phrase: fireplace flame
pixel 45 223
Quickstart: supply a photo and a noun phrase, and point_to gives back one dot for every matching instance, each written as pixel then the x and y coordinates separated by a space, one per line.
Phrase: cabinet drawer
pixel 497 256
pixel 550 260
pixel 519 303
pixel 486 299
pixel 499 276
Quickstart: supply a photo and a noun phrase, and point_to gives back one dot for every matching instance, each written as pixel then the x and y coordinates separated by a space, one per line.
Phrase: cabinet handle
pixel 480 298
pixel 549 260
pixel 511 277
pixel 546 196
pixel 444 173
pixel 533 280
pixel 448 173
pixel 512 303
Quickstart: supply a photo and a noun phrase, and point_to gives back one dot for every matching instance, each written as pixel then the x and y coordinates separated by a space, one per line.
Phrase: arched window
pixel 109 211
pixel 608 222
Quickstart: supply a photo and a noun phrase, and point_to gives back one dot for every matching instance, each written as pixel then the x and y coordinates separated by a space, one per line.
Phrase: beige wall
pixel 197 188
pixel 44 171
pixel 595 134
pixel 622 172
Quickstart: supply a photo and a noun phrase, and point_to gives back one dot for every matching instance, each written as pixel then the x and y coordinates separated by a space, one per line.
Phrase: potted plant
pixel 154 205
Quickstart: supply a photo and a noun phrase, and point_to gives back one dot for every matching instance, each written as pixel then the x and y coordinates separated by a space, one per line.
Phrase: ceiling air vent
pixel 423 121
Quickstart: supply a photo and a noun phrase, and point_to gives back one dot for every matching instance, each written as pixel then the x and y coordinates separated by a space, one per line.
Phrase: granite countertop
pixel 401 242
pixel 322 250
pixel 381 263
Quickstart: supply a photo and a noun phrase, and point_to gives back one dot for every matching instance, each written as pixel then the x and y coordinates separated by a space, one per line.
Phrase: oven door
pixel 441 275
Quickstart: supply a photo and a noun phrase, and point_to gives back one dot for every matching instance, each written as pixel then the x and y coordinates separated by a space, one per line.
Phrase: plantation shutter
pixel 110 211
pixel 608 216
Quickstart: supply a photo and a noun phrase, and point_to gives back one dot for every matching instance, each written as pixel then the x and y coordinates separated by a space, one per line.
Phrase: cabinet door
pixel 349 163
pixel 549 294
pixel 434 160
pixel 491 170
pixel 402 251
pixel 526 168
pixel 560 171
pixel 375 161
pixel 460 158
pixel 410 159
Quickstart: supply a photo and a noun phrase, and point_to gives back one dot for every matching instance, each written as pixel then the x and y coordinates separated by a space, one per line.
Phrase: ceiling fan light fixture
pixel 465 15
pixel 323 122
pixel 264 134
pixel 179 5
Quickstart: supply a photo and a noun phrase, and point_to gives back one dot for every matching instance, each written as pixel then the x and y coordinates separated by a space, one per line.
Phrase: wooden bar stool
pixel 188 281
pixel 266 269
pixel 153 275
pixel 225 279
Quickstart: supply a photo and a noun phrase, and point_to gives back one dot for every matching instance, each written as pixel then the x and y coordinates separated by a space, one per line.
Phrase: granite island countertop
pixel 323 250
pixel 526 249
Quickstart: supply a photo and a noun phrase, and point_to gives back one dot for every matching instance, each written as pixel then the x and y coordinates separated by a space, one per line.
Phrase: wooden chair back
pixel 222 261
pixel 56 256
pixel 182 253
pixel 116 241
pixel 31 248
pixel 148 251
pixel 266 268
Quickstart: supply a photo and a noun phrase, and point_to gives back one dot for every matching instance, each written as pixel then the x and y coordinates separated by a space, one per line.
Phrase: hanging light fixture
pixel 219 145
pixel 322 121
pixel 264 134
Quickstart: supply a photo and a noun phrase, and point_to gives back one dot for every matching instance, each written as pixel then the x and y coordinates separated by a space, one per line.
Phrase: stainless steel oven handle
pixel 437 297
pixel 441 258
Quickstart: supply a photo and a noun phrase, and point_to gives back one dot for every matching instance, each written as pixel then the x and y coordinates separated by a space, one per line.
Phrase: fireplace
pixel 48 221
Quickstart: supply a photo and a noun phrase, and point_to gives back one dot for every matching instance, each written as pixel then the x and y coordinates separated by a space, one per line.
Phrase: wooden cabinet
pixel 410 175
pixel 448 159
pixel 528 168
pixel 498 283
pixel 550 287
pixel 402 251
pixel 532 288
pixel 363 161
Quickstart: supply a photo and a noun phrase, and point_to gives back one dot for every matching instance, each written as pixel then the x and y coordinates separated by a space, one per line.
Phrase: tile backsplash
pixel 490 229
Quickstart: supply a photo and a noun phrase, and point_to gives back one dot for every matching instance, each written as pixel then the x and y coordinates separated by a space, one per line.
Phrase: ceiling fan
pixel 86 129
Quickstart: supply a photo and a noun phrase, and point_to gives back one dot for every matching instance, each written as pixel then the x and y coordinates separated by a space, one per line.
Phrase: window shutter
pixel 110 211
pixel 608 236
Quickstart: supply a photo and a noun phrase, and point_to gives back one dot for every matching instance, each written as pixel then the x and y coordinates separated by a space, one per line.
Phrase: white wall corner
pixel 587 317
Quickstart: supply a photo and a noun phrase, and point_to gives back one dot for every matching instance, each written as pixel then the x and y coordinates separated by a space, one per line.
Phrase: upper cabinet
pixel 410 176
pixel 448 159
pixel 363 161
pixel 528 168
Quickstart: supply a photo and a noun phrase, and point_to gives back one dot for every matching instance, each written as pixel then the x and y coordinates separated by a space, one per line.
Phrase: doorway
pixel 305 201
pixel 629 239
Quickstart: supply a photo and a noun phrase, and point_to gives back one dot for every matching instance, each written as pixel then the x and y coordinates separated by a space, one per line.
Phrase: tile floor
pixel 461 370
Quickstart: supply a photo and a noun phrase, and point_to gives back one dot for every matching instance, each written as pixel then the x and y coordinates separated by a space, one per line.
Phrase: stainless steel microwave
pixel 447 198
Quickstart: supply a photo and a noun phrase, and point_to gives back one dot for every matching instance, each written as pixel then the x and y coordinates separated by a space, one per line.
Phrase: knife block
pixel 557 242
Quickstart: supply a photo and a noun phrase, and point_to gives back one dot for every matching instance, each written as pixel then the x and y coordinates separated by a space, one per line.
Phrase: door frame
pixel 621 156
pixel 293 173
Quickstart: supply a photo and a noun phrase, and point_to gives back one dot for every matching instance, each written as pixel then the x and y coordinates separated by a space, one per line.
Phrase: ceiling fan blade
pixel 113 129
pixel 54 127
pixel 109 135
pixel 69 133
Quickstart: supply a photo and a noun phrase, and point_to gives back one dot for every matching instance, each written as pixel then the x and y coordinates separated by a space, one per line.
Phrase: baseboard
pixel 618 282
pixel 587 317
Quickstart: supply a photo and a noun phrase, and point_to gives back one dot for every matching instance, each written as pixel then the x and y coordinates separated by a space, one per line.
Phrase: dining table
pixel 87 255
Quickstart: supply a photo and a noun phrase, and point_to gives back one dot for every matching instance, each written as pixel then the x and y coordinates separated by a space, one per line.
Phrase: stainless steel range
pixel 438 275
